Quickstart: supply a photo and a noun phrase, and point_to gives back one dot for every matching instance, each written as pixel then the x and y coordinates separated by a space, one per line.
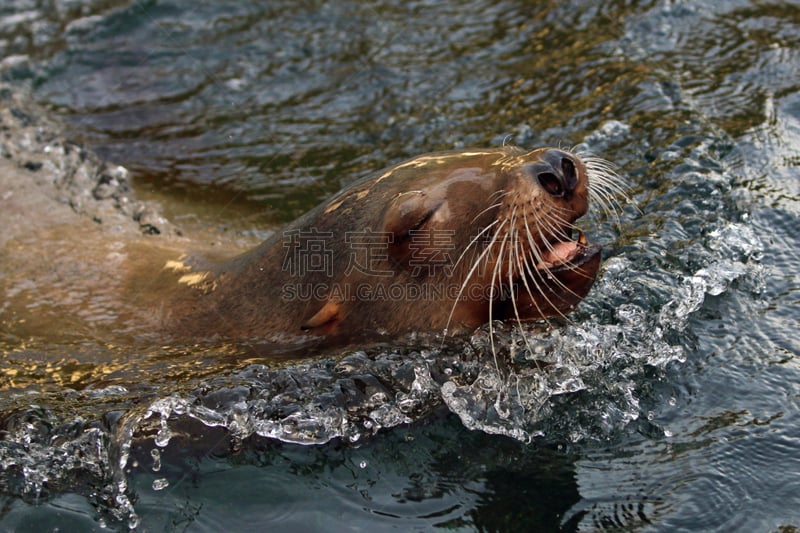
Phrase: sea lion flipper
pixel 327 314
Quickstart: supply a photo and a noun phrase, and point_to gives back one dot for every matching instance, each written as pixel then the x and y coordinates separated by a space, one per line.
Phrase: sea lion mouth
pixel 567 254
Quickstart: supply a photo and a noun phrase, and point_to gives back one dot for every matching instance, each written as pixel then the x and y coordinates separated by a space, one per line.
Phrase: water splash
pixel 578 382
pixel 739 249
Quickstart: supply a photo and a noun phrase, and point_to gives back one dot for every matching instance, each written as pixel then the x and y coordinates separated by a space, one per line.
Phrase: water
pixel 669 402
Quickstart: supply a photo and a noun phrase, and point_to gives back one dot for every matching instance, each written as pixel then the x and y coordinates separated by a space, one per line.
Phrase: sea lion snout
pixel 556 173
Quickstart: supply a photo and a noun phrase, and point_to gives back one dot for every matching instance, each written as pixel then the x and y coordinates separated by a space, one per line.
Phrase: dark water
pixel 672 399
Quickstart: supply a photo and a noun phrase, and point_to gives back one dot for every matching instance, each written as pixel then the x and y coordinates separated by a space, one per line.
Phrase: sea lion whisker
pixel 524 268
pixel 605 195
pixel 596 165
pixel 607 179
pixel 541 274
pixel 560 210
pixel 474 241
pixel 569 264
pixel 604 183
pixel 496 284
pixel 491 298
pixel 538 259
pixel 604 201
pixel 517 256
pixel 555 226
pixel 594 162
pixel 544 227
pixel 534 249
pixel 498 194
pixel 471 272
pixel 535 273
pixel 493 206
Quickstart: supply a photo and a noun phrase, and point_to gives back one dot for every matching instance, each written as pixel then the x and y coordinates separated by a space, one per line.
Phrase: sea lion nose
pixel 556 173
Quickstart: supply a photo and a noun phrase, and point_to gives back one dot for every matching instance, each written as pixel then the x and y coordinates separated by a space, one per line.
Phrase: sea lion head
pixel 507 219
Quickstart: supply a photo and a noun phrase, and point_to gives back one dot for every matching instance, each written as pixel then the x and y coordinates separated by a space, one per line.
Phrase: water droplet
pixel 164 434
pixel 156 455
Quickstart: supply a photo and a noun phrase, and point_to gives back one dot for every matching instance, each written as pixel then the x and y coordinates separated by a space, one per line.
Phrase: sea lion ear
pixel 327 316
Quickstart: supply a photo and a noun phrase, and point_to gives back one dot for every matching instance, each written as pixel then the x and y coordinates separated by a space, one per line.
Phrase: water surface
pixel 671 400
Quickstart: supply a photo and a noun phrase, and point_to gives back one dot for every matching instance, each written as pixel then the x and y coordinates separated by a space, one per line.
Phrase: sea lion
pixel 443 242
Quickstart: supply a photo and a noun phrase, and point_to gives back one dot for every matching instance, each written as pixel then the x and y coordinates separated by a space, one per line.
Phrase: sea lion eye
pixel 424 220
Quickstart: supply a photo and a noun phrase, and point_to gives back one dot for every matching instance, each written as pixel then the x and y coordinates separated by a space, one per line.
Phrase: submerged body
pixel 442 242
